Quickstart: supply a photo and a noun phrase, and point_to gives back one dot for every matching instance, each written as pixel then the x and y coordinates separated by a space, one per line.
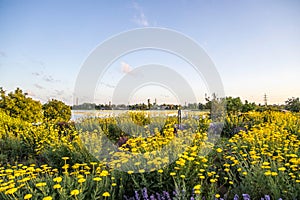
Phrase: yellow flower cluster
pixel 269 148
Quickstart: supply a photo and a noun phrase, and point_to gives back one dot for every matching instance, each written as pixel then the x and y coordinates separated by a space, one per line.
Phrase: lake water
pixel 78 114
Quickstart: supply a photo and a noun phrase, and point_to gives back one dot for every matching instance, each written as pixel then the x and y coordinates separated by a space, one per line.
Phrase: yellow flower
pixel 268 173
pixel 104 173
pixel 27 196
pixel 65 166
pixel 47 198
pixel 281 168
pixel 113 184
pixel 197 187
pixel 274 173
pixel 9 171
pixel 80 176
pixel 197 191
pixel 41 184
pixel 65 158
pixel 202 177
pixel 141 171
pixel 137 163
pixel 266 163
pixel 56 186
pixel 219 150
pixel 182 176
pixel 172 173
pixel 82 180
pixel 57 179
pixel 190 158
pixel 106 194
pixel 75 192
pixel 217 196
pixel 160 171
pixel 97 179
pixel 130 172
pixel 212 180
pixel 11 191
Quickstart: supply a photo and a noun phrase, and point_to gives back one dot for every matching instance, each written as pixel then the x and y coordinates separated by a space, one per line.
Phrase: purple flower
pixel 267 197
pixel 192 198
pixel 236 197
pixel 166 194
pixel 152 197
pixel 136 194
pixel 158 196
pixel 145 194
pixel 174 192
pixel 246 196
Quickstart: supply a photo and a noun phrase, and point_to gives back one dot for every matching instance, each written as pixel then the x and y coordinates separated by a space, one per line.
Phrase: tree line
pixel 232 104
pixel 17 104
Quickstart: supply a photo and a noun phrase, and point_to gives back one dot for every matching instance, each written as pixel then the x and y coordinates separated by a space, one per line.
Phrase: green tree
pixel 16 104
pixel 201 106
pixel 293 104
pixel 248 106
pixel 56 110
pixel 233 104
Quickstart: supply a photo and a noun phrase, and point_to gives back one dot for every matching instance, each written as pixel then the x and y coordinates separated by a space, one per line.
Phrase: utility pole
pixel 265 99
pixel 179 117
pixel 149 104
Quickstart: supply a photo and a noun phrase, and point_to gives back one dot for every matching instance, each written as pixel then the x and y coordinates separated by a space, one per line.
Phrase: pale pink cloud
pixel 125 67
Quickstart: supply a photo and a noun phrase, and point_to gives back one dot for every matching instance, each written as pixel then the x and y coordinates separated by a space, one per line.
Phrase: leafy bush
pixel 16 104
pixel 57 111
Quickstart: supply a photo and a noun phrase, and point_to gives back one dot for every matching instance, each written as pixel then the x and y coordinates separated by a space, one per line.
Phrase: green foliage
pixel 248 107
pixel 107 126
pixel 53 154
pixel 139 118
pixel 293 104
pixel 233 104
pixel 16 104
pixel 13 144
pixel 57 111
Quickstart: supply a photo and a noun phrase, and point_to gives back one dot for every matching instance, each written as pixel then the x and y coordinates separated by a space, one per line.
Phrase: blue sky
pixel 255 45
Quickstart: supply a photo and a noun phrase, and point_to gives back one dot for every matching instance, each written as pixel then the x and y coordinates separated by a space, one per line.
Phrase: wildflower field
pixel 257 155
